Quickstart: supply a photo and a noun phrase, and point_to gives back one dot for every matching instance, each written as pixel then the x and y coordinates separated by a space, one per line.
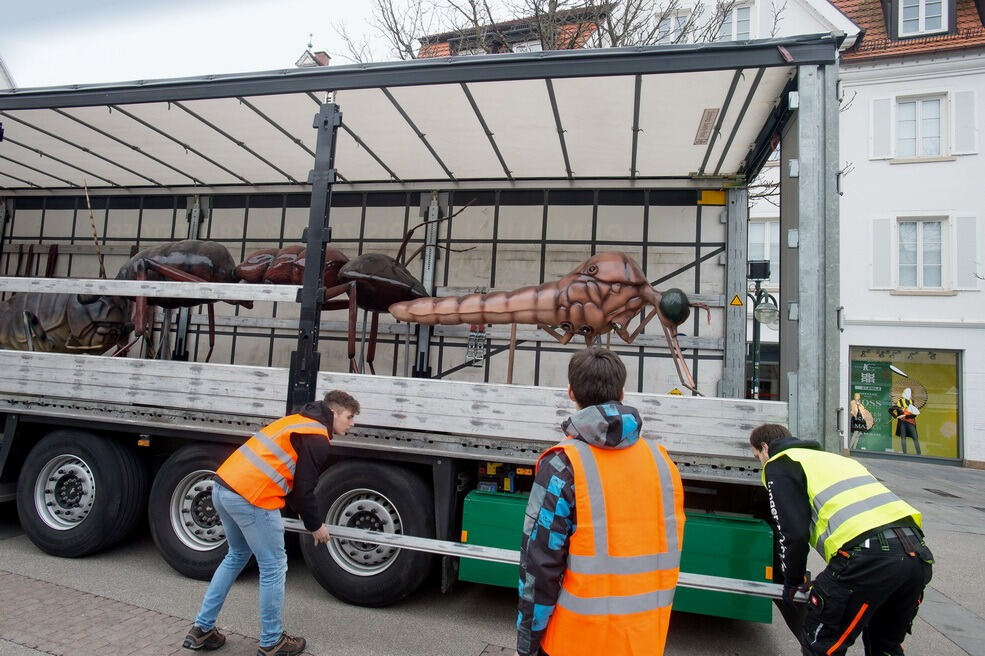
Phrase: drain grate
pixel 942 493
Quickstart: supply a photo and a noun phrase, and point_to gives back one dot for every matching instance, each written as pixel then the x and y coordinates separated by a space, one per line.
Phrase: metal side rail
pixel 511 557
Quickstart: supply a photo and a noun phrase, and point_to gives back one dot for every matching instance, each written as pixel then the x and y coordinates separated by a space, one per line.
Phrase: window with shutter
pixel 919 17
pixel 920 258
pixel 919 127
pixel 764 244
pixel 737 24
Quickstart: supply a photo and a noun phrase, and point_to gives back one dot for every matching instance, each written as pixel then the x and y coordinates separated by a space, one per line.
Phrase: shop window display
pixel 904 401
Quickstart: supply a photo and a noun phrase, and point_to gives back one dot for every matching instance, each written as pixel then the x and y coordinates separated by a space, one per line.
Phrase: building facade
pixel 911 229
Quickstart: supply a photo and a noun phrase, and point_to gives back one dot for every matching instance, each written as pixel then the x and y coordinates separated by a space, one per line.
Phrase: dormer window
pixel 919 17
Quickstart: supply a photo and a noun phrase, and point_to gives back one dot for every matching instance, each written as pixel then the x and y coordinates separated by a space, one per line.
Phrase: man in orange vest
pixel 280 463
pixel 603 530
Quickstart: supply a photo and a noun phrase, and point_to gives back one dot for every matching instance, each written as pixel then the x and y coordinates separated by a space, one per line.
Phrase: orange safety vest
pixel 625 553
pixel 262 470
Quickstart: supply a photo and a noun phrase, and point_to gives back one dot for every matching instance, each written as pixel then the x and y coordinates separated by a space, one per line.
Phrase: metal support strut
pixel 511 557
pixel 305 360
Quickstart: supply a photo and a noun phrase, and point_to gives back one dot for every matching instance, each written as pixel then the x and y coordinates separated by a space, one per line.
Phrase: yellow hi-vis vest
pixel 846 500
pixel 262 470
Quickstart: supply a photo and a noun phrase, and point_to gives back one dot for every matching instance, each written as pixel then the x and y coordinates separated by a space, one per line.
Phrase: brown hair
pixel 343 400
pixel 596 375
pixel 767 434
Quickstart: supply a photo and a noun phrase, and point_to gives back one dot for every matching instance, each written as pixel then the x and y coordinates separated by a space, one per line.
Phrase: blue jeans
pixel 249 531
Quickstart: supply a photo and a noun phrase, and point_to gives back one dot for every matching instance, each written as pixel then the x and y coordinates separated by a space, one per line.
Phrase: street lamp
pixel 764 310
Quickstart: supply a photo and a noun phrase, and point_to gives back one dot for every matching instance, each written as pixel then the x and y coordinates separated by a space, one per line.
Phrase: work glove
pixel 789 590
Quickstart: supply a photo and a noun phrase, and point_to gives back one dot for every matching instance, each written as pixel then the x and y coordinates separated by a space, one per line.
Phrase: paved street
pixel 128 601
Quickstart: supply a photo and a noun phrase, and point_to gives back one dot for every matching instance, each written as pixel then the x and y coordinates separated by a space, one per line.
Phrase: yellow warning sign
pixel 676 392
pixel 736 300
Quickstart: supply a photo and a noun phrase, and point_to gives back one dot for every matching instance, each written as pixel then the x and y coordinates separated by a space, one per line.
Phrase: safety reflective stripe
pixel 834 490
pixel 667 490
pixel 623 564
pixel 602 562
pixel 278 452
pixel 853 509
pixel 265 467
pixel 276 449
pixel 594 483
pixel 626 605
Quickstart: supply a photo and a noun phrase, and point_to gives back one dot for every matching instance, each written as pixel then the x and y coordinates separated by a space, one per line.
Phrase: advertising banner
pixel 904 401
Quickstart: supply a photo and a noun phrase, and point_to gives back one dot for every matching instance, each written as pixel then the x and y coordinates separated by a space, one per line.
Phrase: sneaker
pixel 286 646
pixel 200 639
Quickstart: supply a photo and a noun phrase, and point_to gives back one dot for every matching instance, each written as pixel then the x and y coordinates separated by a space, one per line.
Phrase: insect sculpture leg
pixel 561 338
pixel 143 325
pixel 210 309
pixel 348 288
pixel 683 372
pixel 371 347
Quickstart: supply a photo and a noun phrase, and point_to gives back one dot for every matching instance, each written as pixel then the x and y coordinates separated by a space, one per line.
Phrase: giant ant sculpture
pixel 599 296
pixel 371 281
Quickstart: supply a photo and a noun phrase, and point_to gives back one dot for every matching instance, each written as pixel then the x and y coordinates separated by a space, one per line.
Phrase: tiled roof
pixel 875 42
pixel 442 49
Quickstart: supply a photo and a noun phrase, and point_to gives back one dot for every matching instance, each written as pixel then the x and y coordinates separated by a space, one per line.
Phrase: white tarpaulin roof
pixel 689 112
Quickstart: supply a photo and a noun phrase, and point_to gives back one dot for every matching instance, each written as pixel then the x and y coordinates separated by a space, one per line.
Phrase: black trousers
pixel 872 590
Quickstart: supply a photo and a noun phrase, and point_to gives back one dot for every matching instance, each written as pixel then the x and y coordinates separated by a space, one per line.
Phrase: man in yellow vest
pixel 280 463
pixel 871 540
pixel 603 531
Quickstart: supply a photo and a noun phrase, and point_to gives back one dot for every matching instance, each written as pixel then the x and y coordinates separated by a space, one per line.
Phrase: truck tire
pixel 183 522
pixel 378 497
pixel 79 492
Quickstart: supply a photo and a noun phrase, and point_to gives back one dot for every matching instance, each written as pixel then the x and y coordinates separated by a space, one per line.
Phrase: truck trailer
pixel 519 167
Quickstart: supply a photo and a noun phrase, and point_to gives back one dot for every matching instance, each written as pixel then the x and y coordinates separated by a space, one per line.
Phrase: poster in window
pixel 904 401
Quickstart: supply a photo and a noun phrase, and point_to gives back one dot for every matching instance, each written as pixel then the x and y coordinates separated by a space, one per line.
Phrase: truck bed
pixel 479 421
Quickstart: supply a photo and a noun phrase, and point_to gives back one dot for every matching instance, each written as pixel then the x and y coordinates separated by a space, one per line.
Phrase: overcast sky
pixel 57 42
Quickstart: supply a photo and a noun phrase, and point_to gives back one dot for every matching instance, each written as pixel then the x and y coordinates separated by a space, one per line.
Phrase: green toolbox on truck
pixel 719 545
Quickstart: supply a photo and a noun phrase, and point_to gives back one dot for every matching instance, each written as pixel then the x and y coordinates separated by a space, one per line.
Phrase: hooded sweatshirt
pixel 550 517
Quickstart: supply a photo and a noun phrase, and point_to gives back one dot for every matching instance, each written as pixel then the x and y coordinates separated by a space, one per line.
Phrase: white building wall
pixel 887 189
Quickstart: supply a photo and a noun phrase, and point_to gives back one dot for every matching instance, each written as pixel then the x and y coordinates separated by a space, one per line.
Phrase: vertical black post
pixel 305 360
pixel 197 207
pixel 756 354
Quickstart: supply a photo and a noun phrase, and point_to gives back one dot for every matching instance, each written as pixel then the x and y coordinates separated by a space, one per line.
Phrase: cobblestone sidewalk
pixel 89 624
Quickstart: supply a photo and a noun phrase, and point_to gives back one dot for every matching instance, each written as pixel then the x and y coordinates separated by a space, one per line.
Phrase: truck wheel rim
pixel 366 509
pixel 193 517
pixel 64 492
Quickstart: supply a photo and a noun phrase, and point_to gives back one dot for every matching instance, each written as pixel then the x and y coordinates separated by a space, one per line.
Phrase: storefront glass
pixel 904 401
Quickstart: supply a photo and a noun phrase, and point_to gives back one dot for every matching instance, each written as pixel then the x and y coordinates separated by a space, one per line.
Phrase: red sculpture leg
pixel 348 288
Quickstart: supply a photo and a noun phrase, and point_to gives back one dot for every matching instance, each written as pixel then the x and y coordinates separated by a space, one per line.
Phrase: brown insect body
pixel 285 266
pixel 64 323
pixel 600 295
pixel 207 261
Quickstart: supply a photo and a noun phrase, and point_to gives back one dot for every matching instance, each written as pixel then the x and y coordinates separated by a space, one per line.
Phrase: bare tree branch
pixel 776 16
pixel 357 51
